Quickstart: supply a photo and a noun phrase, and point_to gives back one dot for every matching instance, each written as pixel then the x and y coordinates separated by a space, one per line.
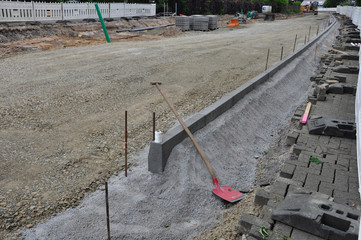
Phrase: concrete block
pixel 298 234
pixel 315 213
pixel 292 138
pixel 287 170
pixel 329 158
pixel 321 97
pixel 156 162
pixel 255 232
pixel 262 197
pixel 326 188
pixel 279 187
pixel 298 148
pixel 300 174
pixel 246 221
pixel 217 108
pixel 266 214
pixel 282 229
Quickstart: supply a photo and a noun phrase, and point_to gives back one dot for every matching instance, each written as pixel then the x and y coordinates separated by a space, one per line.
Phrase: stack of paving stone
pixel 200 23
pixel 191 21
pixel 212 22
pixel 182 22
pixel 316 194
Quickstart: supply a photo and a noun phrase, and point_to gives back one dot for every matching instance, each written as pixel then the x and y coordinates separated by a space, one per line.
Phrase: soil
pixel 62 110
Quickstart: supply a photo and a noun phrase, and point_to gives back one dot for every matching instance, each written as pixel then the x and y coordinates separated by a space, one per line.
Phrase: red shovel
pixel 223 192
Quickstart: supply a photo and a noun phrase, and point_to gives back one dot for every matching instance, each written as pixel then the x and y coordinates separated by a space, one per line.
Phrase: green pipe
pixel 102 22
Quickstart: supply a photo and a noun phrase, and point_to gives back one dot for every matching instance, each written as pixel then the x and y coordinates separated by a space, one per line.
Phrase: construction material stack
pixel 182 22
pixel 212 22
pixel 200 23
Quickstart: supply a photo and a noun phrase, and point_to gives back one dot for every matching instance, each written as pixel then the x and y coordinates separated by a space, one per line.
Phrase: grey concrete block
pixel 282 229
pixel 316 214
pixel 330 159
pixel 292 138
pixel 156 162
pixel 298 148
pixel 262 197
pixel 279 187
pixel 287 170
pixel 266 214
pixel 217 108
pixel 326 188
pixel 255 232
pixel 298 234
pixel 246 221
pixel 300 174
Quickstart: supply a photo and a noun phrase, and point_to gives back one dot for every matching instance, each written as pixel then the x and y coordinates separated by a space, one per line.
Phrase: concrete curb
pixel 159 152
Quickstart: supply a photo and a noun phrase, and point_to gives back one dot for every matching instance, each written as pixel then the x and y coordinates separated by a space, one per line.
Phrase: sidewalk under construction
pixel 178 203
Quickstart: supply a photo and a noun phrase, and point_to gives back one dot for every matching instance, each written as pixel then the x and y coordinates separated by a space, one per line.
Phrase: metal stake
pixel 309 33
pixel 294 45
pixel 153 126
pixel 318 27
pixel 305 39
pixel 281 53
pixel 267 60
pixel 126 144
pixel 316 51
pixel 107 208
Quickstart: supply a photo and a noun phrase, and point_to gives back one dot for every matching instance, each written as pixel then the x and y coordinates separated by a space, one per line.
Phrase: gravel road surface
pixel 62 111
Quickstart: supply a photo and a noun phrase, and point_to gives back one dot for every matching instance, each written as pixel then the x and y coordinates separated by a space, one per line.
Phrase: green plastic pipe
pixel 102 22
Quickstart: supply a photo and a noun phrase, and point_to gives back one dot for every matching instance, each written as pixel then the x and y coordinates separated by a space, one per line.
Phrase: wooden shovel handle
pixel 210 169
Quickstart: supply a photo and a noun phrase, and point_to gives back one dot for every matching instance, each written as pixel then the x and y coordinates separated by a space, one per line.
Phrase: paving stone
pixel 296 189
pixel 302 138
pixel 329 158
pixel 287 170
pixel 298 148
pixel 343 162
pixel 300 235
pixel 279 187
pixel 314 167
pixel 297 163
pixel 341 178
pixel 312 182
pixel 262 197
pixel 292 138
pixel 266 214
pixel 300 174
pixel 328 173
pixel 246 221
pixel 282 229
pixel 255 232
pixel 334 143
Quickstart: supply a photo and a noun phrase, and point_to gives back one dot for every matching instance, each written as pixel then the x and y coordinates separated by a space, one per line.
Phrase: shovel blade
pixel 227 193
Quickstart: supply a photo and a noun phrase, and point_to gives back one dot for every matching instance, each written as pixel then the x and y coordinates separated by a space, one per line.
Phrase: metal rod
pixel 309 33
pixel 294 45
pixel 267 60
pixel 305 39
pixel 126 144
pixel 153 126
pixel 107 208
pixel 281 53
pixel 318 28
pixel 316 51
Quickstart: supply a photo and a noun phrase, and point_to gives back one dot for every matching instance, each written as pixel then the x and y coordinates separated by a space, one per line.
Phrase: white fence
pixel 39 11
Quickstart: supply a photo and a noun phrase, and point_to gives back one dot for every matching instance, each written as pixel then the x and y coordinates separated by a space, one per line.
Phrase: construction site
pixel 180 127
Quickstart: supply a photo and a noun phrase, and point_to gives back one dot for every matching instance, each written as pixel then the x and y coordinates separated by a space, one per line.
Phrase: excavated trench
pixel 179 204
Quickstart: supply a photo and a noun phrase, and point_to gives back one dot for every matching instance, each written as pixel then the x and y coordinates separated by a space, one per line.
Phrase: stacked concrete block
pixel 182 22
pixel 212 22
pixel 200 23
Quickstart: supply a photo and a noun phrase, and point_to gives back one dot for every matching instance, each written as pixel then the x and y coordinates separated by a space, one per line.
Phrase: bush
pixel 332 3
